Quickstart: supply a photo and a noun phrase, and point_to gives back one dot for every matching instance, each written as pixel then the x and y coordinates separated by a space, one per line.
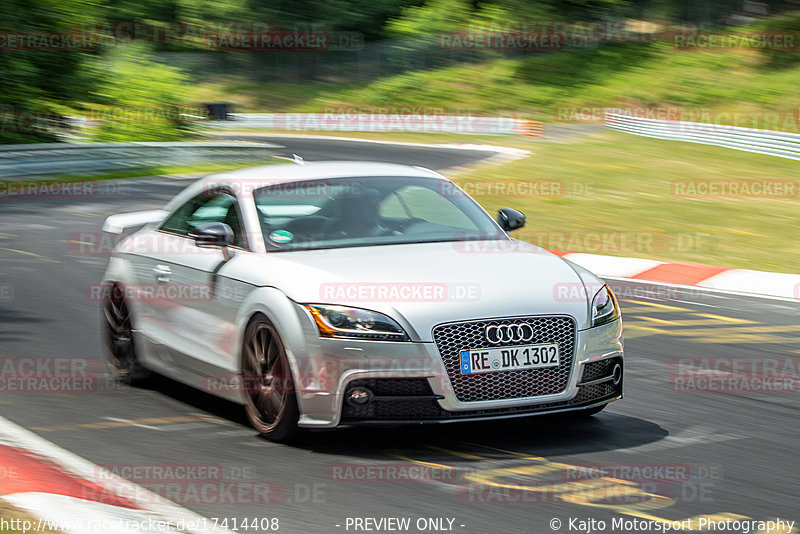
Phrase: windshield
pixel 364 211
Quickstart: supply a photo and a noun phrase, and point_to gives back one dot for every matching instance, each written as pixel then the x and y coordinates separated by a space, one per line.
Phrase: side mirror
pixel 510 219
pixel 214 235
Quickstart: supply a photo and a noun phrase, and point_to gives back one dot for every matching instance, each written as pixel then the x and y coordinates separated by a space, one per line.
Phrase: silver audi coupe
pixel 350 293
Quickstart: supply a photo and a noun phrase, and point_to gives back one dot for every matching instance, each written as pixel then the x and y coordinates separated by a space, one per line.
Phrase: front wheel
pixel 270 400
pixel 121 351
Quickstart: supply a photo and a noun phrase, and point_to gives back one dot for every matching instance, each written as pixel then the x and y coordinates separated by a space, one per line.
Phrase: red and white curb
pixel 72 495
pixel 738 281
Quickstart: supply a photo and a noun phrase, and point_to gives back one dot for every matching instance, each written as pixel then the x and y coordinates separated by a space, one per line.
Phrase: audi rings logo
pixel 509 333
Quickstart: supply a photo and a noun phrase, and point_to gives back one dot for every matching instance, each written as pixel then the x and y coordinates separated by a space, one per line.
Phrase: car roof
pixel 253 178
pixel 292 172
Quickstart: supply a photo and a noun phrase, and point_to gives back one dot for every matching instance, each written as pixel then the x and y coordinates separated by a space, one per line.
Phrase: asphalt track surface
pixel 726 454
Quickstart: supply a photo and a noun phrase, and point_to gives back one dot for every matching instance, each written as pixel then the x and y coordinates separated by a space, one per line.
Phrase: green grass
pixel 17 517
pixel 544 86
pixel 617 185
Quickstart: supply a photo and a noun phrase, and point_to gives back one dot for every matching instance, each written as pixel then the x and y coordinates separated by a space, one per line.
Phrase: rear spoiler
pixel 118 224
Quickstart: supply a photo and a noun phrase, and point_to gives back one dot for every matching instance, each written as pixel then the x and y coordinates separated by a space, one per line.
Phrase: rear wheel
pixel 121 351
pixel 270 400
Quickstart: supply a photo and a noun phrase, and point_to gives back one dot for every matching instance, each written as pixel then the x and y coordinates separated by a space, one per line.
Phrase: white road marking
pixel 118 420
pixel 153 505
pixel 694 303
pixel 691 436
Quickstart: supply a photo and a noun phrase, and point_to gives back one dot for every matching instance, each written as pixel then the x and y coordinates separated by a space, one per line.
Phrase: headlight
pixel 604 307
pixel 355 323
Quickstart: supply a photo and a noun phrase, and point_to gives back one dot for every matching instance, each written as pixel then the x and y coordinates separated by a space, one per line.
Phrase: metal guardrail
pixel 62 158
pixel 379 122
pixel 772 143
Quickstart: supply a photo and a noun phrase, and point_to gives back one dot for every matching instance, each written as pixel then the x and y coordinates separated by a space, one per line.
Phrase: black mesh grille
pixel 451 339
pixel 601 369
pixel 596 391
pixel 393 409
pixel 429 410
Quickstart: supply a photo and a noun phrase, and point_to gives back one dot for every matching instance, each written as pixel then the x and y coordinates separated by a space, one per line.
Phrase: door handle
pixel 163 273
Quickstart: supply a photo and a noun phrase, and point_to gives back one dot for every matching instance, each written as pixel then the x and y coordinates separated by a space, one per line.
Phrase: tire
pixel 119 341
pixel 270 398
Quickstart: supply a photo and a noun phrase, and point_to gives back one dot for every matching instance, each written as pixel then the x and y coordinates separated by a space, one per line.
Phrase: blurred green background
pixel 160 54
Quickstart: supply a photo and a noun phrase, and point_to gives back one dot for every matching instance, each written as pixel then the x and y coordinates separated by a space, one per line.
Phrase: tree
pixel 141 99
pixel 39 74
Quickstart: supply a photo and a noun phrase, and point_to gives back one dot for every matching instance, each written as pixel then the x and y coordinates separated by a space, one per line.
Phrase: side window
pixel 203 209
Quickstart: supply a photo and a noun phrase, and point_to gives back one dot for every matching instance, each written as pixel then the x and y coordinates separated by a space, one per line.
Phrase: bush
pixel 141 99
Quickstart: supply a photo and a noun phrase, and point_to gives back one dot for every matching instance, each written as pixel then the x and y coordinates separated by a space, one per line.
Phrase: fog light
pixel 359 396
pixel 617 374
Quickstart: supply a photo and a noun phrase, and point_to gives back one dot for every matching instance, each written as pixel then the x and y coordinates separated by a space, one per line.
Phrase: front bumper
pixel 424 407
pixel 410 383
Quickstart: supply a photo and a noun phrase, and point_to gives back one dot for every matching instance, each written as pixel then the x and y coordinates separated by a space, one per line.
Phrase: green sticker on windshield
pixel 281 236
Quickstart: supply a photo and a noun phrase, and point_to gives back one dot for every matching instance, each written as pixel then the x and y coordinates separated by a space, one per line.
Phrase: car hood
pixel 422 285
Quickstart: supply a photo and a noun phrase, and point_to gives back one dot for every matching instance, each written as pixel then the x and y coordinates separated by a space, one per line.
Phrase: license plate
pixel 509 358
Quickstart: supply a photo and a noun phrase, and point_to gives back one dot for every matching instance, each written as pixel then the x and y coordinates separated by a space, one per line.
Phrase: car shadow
pixel 201 400
pixel 545 435
pixel 14 325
